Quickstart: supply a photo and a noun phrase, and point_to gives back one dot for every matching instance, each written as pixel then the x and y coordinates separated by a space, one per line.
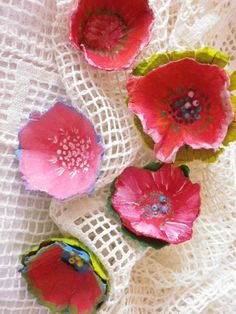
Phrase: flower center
pixel 104 31
pixel 72 152
pixel 75 261
pixel 186 109
pixel 155 204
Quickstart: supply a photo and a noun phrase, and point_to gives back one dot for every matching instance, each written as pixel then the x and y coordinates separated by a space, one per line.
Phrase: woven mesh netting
pixel 37 67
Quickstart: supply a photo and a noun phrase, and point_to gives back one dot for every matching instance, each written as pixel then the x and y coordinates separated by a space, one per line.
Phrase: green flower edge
pixel 205 55
pixel 143 242
pixel 95 261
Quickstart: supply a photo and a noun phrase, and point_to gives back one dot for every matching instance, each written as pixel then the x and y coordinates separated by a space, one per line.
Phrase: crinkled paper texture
pixel 196 277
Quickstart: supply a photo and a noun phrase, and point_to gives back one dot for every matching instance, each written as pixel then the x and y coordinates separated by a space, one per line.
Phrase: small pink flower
pixel 159 205
pixel 59 152
pixel 111 33
pixel 182 103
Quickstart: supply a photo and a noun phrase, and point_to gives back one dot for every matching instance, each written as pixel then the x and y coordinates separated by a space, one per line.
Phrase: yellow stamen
pixel 72 260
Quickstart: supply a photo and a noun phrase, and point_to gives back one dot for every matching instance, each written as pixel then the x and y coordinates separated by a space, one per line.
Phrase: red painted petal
pixel 129 187
pixel 168 145
pixel 142 94
pixel 137 189
pixel 59 285
pixel 111 33
pixel 60 153
pixel 147 228
pixel 177 232
pixel 151 98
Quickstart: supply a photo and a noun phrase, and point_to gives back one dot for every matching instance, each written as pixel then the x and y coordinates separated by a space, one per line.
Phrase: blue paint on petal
pixel 162 199
pixel 35 115
pixel 164 209
pixel 18 153
pixel 24 269
pixel 154 207
pixel 104 287
pixel 82 269
pixel 70 250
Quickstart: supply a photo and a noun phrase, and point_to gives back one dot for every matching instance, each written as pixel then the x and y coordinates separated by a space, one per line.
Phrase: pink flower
pixel 182 103
pixel 159 205
pixel 59 152
pixel 111 33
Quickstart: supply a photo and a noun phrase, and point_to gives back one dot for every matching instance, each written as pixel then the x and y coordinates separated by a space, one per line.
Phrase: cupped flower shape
pixel 65 276
pixel 59 152
pixel 157 205
pixel 182 103
pixel 111 33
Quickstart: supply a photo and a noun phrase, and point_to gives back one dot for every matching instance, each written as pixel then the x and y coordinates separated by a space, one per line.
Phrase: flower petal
pixel 147 100
pixel 177 232
pixel 129 187
pixel 60 153
pixel 66 288
pixel 111 33
pixel 138 193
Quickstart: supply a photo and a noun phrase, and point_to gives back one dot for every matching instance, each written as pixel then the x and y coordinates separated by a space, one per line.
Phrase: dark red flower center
pixel 72 152
pixel 104 31
pixel 155 204
pixel 186 109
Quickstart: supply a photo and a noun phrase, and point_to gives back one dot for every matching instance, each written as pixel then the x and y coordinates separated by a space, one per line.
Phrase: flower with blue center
pixel 156 205
pixel 192 117
pixel 65 276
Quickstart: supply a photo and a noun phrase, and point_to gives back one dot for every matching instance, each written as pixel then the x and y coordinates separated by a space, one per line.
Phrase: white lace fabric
pixel 39 66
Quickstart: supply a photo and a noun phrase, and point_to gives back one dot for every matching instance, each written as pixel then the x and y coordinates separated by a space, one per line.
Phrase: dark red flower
pixel 65 276
pixel 111 33
pixel 159 205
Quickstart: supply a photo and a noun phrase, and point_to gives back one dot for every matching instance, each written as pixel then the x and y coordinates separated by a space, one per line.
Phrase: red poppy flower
pixel 65 276
pixel 181 103
pixel 159 205
pixel 111 33
pixel 59 152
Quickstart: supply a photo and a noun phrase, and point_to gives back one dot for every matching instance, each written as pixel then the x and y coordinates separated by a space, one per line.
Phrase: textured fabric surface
pixel 37 67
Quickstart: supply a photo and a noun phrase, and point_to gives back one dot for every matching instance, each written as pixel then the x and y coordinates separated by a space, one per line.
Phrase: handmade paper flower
pixel 111 33
pixel 158 205
pixel 65 276
pixel 183 103
pixel 59 152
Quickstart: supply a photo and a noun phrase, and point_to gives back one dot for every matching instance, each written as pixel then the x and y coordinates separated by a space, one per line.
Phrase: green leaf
pixel 178 55
pixel 109 203
pixel 232 81
pixel 211 56
pixel 231 134
pixel 233 101
pixel 152 63
pixel 202 55
pixel 186 171
pixel 146 138
pixel 153 166
pixel 144 241
pixel 188 154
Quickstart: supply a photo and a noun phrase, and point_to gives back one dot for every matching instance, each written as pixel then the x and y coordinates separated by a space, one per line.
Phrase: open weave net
pixel 37 67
